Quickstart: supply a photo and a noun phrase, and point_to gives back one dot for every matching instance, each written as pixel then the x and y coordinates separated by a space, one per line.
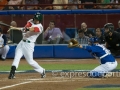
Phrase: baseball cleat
pixel 3 59
pixel 108 75
pixel 11 76
pixel 43 75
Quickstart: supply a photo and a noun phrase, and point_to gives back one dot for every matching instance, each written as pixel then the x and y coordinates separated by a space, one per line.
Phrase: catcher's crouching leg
pixel 12 73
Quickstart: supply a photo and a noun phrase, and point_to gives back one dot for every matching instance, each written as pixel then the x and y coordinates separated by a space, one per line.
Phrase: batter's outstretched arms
pixel 14 28
pixel 21 29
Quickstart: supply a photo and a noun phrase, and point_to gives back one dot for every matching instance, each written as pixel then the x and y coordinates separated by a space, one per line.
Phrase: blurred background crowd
pixel 55 4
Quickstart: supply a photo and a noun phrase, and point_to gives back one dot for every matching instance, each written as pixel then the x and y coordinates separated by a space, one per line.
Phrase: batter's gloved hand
pixel 73 43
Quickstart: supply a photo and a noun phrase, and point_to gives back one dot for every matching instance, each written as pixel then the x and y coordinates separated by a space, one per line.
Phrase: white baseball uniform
pixel 26 46
pixel 3 50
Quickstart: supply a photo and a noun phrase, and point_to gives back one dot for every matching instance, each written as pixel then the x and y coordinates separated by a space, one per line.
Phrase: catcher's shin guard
pixel 12 73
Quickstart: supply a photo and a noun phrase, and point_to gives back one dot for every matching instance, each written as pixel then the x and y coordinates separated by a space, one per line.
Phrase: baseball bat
pixel 4 24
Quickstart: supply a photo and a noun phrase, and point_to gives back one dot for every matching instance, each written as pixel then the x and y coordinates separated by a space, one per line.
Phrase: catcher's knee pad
pixel 95 74
pixel 13 68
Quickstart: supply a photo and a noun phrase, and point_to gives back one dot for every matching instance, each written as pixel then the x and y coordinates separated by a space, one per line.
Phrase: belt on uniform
pixel 26 41
pixel 111 62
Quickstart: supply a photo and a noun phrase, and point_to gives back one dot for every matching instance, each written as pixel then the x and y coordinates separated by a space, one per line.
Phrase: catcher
pixel 107 61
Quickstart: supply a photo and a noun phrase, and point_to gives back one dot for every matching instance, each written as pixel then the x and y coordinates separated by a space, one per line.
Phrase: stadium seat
pixel 16 36
pixel 102 29
pixel 39 39
pixel 70 32
pixel 92 29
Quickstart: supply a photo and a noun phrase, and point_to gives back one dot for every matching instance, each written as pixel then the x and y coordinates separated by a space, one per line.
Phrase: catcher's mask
pixel 93 40
pixel 38 16
pixel 110 28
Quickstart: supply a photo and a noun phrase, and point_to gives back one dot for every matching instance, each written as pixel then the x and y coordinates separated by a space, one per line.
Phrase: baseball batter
pixel 33 29
pixel 107 61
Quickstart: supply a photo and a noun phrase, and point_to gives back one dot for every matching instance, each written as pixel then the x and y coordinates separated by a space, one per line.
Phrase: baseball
pixel 71 43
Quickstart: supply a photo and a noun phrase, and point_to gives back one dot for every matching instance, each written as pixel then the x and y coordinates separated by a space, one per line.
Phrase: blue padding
pixel 84 11
pixel 62 51
pixel 55 11
pixel 3 13
pixel 88 11
pixel 54 51
pixel 23 11
pixel 11 52
pixel 111 11
pixel 43 51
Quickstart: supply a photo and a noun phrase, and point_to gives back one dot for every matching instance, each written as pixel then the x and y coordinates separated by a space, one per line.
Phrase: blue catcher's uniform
pixel 107 61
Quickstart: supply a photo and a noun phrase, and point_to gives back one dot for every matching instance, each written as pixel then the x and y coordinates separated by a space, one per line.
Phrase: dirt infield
pixel 32 81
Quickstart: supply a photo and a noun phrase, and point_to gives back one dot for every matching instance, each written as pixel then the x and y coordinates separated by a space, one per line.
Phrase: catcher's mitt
pixel 73 43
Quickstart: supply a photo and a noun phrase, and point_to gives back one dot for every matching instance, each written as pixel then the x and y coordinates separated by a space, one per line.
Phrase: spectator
pixel 13 2
pixel 3 2
pixel 10 38
pixel 87 32
pixel 60 2
pixel 105 6
pixel 115 2
pixel 4 48
pixel 74 6
pixel 46 2
pixel 118 29
pixel 88 2
pixel 52 35
pixel 31 2
pixel 14 33
pixel 82 39
pixel 13 23
pixel 99 35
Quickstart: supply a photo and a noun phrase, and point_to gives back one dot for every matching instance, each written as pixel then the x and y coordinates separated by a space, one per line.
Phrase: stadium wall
pixel 54 51
pixel 95 18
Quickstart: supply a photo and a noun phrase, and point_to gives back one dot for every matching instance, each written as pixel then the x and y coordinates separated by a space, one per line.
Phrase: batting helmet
pixel 38 16
pixel 93 40
pixel 110 26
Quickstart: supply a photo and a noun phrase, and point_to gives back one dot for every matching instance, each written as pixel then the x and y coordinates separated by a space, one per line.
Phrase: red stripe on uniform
pixel 36 29
pixel 28 24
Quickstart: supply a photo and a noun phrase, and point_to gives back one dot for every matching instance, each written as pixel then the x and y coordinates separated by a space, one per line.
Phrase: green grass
pixel 54 67
pixel 98 89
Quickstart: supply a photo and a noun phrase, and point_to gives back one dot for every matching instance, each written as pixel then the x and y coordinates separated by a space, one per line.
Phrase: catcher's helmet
pixel 93 40
pixel 38 16
pixel 110 26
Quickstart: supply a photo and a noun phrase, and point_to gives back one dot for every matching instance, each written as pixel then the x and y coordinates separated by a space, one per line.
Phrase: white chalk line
pixel 47 80
pixel 62 79
pixel 15 85
pixel 61 60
